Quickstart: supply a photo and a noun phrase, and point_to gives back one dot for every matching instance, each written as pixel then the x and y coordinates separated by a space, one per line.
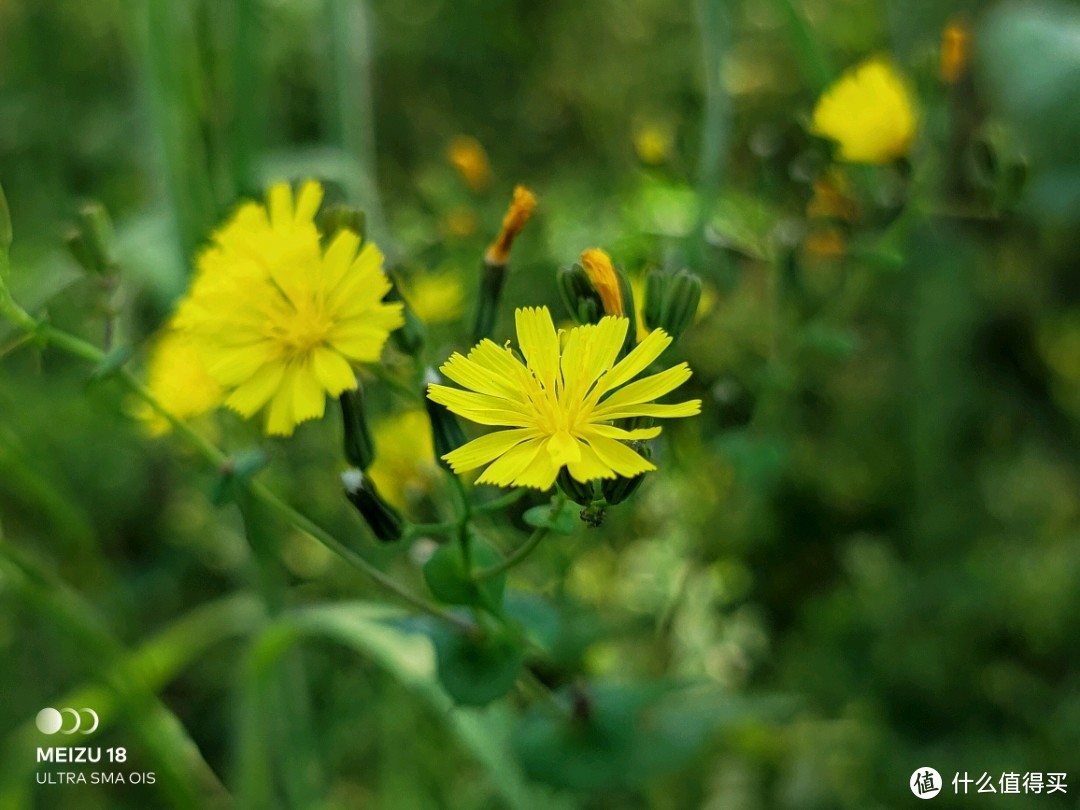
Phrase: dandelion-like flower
pixel 869 112
pixel 559 403
pixel 277 321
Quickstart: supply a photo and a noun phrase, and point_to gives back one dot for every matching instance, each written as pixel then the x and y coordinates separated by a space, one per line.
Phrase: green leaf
pixel 476 671
pixel 560 521
pixel 449 580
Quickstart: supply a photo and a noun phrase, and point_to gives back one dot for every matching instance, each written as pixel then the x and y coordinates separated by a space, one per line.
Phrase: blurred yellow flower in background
pixel 559 403
pixel 869 112
pixel 436 297
pixel 955 51
pixel 276 321
pixel 653 143
pixel 404 465
pixel 467 155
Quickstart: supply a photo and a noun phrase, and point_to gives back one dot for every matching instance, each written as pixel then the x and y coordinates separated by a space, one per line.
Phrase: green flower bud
pixel 580 493
pixel 681 303
pixel 655 290
pixel 492 279
pixel 581 300
pixel 94 247
pixel 409 337
pixel 384 520
pixel 337 217
pixel 671 300
pixel 618 489
pixel 358 446
pixel 446 431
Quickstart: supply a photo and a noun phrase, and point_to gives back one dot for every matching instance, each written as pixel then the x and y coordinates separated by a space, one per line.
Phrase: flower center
pixel 299 328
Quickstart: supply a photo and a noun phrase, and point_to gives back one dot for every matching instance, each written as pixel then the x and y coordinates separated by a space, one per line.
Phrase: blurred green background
pixel 863 555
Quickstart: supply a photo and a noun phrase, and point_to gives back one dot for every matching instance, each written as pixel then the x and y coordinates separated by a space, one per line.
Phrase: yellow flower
pixel 517 215
pixel 652 143
pixel 869 112
pixel 559 403
pixel 277 321
pixel 178 379
pixel 469 158
pixel 436 297
pixel 404 462
pixel 601 273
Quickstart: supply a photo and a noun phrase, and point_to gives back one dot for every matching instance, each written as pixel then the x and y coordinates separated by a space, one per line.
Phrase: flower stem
pixel 87 351
pixel 522 551
pixel 500 503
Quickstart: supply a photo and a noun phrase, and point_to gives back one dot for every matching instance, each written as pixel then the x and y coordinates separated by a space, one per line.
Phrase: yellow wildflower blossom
pixel 601 273
pixel 436 297
pixel 559 403
pixel 178 380
pixel 517 215
pixel 652 142
pixel 277 321
pixel 467 155
pixel 404 462
pixel 869 112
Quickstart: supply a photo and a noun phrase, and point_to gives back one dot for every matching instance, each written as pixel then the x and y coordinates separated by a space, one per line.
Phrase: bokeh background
pixel 865 549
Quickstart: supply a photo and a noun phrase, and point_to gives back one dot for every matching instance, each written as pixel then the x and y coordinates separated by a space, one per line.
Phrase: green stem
pixel 517 556
pixel 87 351
pixel 500 503
pixel 808 53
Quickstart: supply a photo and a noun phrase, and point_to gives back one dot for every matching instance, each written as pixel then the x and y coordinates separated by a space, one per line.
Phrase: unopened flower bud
pixel 493 272
pixel 91 243
pixel 342 217
pixel 446 432
pixel 618 489
pixel 583 493
pixel 467 155
pixel 384 520
pixel 581 300
pixel 409 337
pixel 601 272
pixel 359 448
pixel 671 300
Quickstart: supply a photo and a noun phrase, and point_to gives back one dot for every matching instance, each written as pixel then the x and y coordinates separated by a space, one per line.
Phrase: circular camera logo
pixel 925 783
pixel 50 721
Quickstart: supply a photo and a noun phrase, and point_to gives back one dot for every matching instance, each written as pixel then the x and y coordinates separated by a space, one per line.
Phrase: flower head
pixel 601 273
pixel 276 320
pixel 559 403
pixel 869 112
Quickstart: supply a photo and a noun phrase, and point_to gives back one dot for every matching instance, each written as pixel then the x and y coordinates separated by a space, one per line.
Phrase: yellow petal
pixel 619 457
pixel 589 466
pixel 280 201
pixel 505 469
pixel 637 361
pixel 612 432
pixel 332 371
pixel 690 408
pixel 563 448
pixel 540 474
pixel 307 202
pixel 648 388
pixel 254 392
pixel 539 343
pixel 486 449
pixel 309 398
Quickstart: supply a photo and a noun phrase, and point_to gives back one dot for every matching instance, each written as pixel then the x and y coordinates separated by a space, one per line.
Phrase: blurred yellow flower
pixel 652 143
pixel 278 322
pixel 436 297
pixel 598 267
pixel 460 222
pixel 869 112
pixel 955 51
pixel 404 464
pixel 559 403
pixel 467 155
pixel 178 380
